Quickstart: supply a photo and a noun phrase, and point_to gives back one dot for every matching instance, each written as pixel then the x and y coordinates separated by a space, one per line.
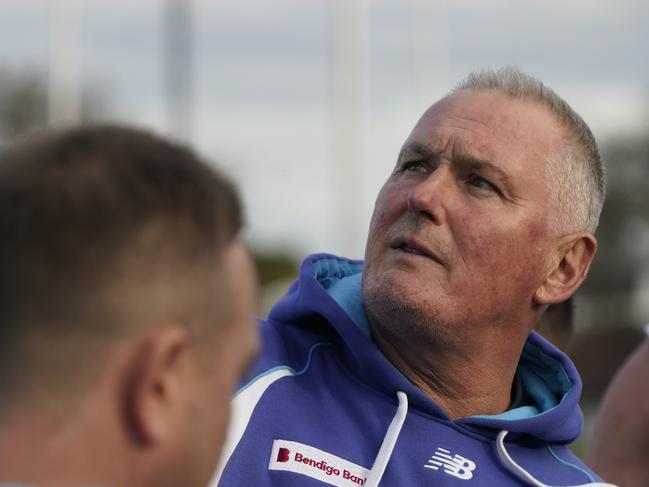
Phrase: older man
pixel 127 311
pixel 417 367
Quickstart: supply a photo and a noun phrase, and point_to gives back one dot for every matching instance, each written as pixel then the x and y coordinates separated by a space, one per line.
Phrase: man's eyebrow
pixel 418 149
pixel 460 158
pixel 472 163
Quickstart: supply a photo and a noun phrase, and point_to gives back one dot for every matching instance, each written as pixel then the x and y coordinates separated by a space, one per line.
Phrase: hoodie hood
pixel 549 387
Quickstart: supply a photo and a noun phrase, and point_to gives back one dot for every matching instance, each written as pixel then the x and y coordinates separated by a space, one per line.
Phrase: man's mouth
pixel 411 250
pixel 412 246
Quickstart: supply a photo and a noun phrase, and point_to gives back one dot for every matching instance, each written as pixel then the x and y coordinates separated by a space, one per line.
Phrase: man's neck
pixel 35 450
pixel 465 380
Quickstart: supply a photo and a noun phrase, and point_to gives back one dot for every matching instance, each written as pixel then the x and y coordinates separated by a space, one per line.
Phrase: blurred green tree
pixel 607 316
pixel 23 103
pixel 623 236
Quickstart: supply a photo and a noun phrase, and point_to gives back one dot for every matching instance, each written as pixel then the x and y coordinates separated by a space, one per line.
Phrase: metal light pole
pixel 350 41
pixel 64 76
pixel 178 69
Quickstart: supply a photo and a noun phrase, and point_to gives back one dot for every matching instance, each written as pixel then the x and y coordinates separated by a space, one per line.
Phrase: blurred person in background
pixel 620 445
pixel 557 324
pixel 127 313
pixel 417 366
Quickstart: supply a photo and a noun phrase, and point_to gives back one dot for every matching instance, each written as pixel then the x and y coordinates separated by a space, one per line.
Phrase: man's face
pixel 459 232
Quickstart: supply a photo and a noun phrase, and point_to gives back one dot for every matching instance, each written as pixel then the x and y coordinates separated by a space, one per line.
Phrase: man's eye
pixel 481 183
pixel 414 166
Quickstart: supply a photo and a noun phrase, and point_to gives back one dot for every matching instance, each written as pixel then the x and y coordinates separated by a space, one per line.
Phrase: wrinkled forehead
pixel 490 125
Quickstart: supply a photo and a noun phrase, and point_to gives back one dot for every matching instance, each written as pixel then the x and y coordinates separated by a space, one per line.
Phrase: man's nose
pixel 427 198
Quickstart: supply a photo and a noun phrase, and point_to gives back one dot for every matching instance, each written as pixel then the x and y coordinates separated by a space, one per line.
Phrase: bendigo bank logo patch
pixel 283 455
pixel 291 456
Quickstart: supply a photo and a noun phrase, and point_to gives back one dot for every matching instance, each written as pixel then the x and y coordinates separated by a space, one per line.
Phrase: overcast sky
pixel 263 86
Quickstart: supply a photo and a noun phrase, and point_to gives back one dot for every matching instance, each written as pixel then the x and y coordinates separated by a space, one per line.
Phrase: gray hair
pixel 577 180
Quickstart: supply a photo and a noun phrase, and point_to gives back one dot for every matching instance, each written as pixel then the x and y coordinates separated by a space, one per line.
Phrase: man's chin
pixel 393 301
pixel 402 282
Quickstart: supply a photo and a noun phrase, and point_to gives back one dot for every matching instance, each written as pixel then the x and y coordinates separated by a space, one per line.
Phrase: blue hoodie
pixel 324 406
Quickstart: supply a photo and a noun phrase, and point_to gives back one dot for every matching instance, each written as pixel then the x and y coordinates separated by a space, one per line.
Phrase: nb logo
pixel 455 465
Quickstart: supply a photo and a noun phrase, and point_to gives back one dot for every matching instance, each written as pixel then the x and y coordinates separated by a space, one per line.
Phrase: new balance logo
pixel 455 465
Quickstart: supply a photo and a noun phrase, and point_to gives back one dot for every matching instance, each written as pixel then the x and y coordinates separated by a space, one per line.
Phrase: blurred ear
pixel 573 258
pixel 153 397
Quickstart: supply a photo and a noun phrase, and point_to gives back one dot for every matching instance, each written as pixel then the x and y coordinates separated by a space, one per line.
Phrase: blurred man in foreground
pixel 416 367
pixel 127 311
pixel 620 445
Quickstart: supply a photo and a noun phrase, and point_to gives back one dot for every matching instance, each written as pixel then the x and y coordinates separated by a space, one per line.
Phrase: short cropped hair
pixel 577 180
pixel 101 229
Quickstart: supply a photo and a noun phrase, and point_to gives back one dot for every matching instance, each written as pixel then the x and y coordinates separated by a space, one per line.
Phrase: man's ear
pixel 574 256
pixel 155 377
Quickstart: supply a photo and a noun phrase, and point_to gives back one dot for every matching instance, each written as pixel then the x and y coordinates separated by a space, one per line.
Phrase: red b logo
pixel 283 455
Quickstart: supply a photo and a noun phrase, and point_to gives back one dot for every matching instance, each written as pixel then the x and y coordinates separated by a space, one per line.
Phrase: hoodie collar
pixel 331 287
